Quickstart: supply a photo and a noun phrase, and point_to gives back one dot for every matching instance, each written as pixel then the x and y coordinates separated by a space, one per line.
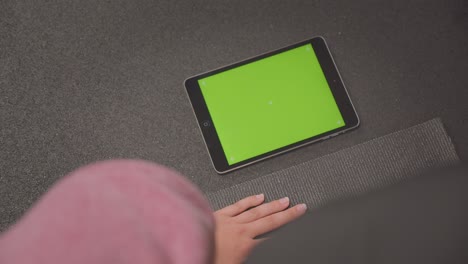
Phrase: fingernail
pixel 284 200
pixel 302 208
pixel 260 196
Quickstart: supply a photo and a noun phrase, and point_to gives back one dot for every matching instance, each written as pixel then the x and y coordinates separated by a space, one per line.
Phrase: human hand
pixel 237 227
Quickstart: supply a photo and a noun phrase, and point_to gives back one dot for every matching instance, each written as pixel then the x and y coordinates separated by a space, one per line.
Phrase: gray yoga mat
pixel 350 172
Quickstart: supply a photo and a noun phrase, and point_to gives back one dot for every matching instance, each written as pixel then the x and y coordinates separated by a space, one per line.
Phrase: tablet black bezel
pixel 209 132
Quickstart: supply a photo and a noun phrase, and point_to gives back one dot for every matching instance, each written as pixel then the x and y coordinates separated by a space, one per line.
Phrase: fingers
pixel 263 210
pixel 272 222
pixel 259 240
pixel 242 205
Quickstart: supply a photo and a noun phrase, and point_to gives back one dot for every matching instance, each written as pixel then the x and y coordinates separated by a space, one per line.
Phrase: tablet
pixel 270 104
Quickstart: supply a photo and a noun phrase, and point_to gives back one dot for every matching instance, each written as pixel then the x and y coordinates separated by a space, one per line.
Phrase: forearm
pixel 114 212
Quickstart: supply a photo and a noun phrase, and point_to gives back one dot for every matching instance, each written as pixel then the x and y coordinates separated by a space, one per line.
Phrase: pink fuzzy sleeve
pixel 118 211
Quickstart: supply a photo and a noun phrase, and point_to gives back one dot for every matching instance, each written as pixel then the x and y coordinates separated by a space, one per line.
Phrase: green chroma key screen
pixel 270 103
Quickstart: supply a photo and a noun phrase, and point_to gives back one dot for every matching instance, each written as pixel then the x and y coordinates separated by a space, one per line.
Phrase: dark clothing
pixel 423 220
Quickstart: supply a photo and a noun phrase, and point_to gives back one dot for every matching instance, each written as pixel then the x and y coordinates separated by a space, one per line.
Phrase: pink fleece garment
pixel 118 211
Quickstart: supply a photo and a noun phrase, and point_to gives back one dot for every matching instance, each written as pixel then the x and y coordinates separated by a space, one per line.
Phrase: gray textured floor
pixel 88 80
pixel 353 171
